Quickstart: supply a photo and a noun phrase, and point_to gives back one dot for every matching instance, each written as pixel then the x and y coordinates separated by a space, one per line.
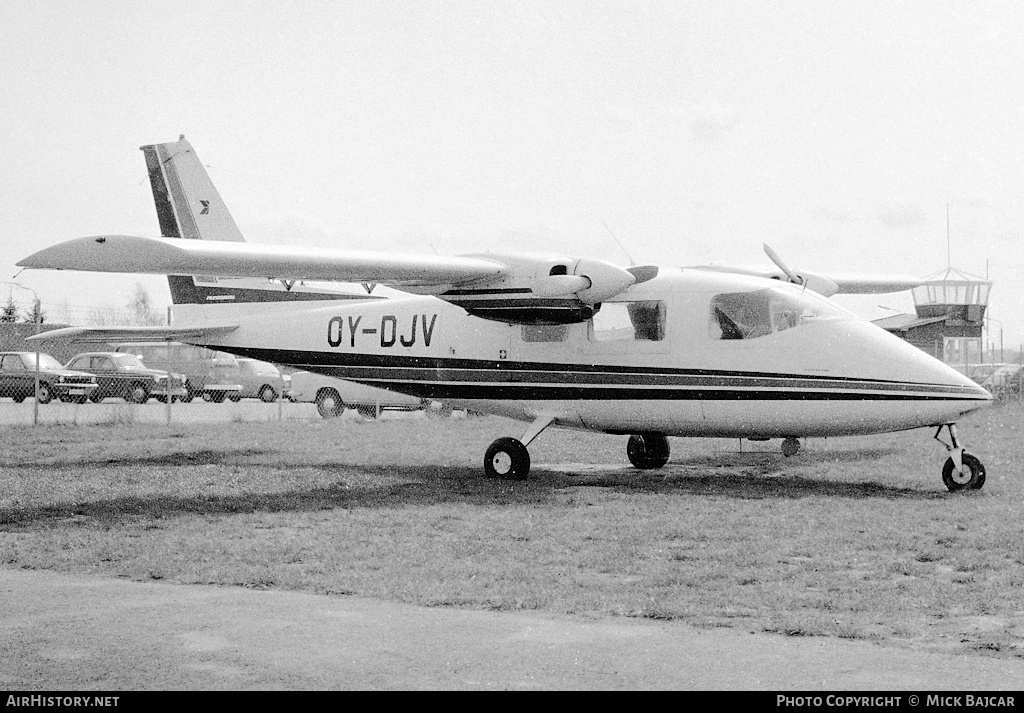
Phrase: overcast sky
pixel 837 132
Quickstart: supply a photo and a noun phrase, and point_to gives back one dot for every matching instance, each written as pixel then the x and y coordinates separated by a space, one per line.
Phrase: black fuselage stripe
pixel 529 392
pixel 320 359
pixel 477 379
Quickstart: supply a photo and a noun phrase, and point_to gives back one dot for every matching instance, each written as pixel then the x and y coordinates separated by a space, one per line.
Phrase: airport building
pixel 949 317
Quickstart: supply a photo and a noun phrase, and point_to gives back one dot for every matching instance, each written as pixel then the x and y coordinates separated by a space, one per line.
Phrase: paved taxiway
pixel 69 632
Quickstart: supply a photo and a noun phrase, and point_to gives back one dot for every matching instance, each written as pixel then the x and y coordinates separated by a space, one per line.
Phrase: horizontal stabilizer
pixel 177 256
pixel 134 334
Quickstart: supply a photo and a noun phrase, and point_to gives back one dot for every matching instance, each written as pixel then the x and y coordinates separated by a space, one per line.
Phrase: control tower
pixel 950 314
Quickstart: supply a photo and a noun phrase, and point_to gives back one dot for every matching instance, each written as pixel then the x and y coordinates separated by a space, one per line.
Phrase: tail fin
pixel 188 206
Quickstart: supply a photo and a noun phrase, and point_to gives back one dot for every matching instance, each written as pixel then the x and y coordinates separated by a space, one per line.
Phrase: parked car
pixel 261 380
pixel 1003 380
pixel 210 374
pixel 125 376
pixel 18 379
pixel 332 396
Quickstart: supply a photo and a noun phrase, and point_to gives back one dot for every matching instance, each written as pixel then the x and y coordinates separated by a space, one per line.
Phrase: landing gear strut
pixel 961 471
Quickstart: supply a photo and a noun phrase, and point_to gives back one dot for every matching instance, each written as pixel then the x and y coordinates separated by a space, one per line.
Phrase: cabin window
pixel 13 362
pixel 748 315
pixel 544 332
pixel 630 321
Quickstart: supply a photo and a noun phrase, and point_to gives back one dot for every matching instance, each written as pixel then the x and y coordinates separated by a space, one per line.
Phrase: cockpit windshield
pixel 748 315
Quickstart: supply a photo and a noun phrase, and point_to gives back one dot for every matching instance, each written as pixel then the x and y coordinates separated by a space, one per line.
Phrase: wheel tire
pixel 187 397
pixel 508 459
pixel 216 397
pixel 235 396
pixel 971 478
pixel 267 394
pixel 96 396
pixel 136 393
pixel 45 393
pixel 367 411
pixel 648 451
pixel 329 403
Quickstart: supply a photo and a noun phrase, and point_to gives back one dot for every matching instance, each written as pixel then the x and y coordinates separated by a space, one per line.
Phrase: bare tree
pixel 141 310
pixel 138 312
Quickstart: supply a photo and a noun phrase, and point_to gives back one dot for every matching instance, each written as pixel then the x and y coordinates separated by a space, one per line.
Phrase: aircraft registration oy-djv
pixel 643 351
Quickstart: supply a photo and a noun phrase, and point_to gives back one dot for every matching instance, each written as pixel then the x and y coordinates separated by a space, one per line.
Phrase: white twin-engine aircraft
pixel 645 351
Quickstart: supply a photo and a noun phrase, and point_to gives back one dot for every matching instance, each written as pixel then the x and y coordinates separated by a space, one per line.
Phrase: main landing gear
pixel 961 471
pixel 509 459
pixel 648 451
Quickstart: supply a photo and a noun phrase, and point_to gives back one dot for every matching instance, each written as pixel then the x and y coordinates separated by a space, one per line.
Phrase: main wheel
pixel 268 394
pixel 648 451
pixel 972 477
pixel 507 458
pixel 329 403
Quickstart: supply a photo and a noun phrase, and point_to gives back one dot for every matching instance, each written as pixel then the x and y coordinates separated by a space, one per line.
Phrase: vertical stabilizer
pixel 187 204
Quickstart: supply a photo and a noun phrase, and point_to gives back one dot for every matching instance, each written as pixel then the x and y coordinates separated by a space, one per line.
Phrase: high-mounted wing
pixel 516 288
pixel 177 256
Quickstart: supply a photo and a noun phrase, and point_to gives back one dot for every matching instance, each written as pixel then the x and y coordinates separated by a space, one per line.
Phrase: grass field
pixel 854 538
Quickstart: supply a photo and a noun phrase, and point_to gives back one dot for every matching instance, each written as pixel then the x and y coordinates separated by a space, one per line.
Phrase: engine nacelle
pixel 535 289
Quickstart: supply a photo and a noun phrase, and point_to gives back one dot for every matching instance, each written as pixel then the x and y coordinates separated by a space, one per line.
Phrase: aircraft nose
pixel 953 382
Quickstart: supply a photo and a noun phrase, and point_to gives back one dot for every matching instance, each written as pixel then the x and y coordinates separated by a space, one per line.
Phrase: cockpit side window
pixel 748 315
pixel 642 320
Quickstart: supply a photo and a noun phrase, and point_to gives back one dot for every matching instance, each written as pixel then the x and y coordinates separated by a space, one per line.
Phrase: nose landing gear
pixel 961 471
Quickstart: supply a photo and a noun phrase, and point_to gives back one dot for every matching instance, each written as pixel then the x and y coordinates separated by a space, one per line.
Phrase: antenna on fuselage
pixel 632 262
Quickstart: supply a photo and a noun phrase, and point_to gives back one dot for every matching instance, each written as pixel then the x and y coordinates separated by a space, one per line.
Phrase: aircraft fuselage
pixel 689 353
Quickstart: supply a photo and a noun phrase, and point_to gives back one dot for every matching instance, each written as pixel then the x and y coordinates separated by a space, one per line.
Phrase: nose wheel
pixel 961 471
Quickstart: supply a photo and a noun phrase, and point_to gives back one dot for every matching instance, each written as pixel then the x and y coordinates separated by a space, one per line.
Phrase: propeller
pixel 821 285
pixel 793 277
